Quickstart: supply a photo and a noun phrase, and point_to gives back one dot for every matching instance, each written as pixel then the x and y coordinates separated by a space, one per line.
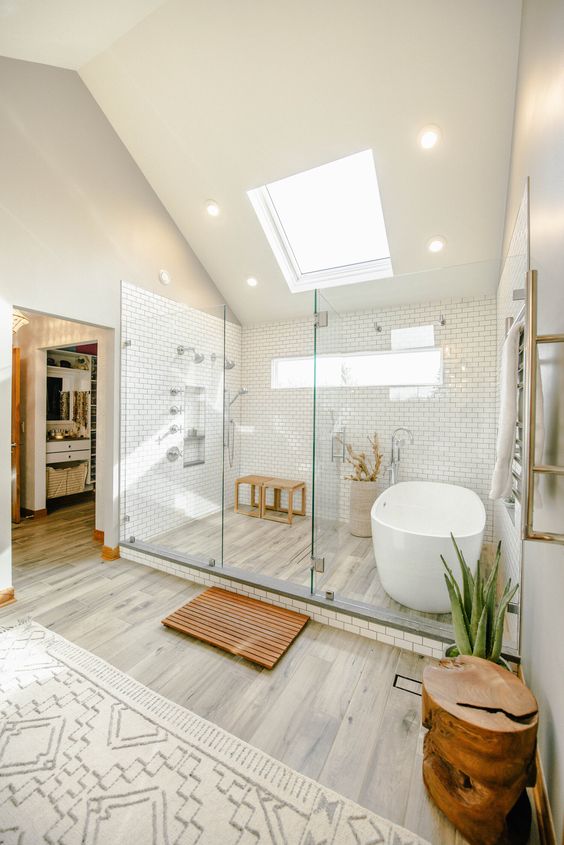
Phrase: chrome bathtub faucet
pixel 399 437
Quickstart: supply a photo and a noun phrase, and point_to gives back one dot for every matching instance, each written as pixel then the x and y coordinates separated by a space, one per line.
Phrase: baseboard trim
pixel 98 536
pixel 545 824
pixel 40 514
pixel 109 553
pixel 543 813
pixel 7 596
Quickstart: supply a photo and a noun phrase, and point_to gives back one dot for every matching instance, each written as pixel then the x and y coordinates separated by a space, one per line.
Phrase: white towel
pixel 501 481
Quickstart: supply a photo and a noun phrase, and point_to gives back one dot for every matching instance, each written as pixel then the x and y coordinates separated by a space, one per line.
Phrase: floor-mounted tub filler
pixel 411 526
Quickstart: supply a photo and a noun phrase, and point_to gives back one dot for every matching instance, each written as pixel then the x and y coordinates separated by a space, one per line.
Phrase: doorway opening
pixel 58 422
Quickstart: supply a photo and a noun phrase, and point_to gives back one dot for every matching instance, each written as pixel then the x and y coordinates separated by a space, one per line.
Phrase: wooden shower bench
pixel 274 511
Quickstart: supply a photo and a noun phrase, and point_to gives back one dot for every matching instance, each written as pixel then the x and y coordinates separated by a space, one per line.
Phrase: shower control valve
pixel 174 429
pixel 173 453
pixel 174 409
pixel 175 391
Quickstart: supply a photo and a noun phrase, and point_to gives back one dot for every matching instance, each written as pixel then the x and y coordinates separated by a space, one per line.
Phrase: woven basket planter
pixel 363 496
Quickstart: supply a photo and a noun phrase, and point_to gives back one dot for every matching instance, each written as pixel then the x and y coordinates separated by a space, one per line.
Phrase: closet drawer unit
pixel 63 457
pixel 65 446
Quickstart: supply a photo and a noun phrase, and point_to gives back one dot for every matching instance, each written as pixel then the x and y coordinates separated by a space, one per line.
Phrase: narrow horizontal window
pixel 406 368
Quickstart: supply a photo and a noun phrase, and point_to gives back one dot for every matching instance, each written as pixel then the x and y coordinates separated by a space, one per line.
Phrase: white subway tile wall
pixel 453 426
pixel 158 495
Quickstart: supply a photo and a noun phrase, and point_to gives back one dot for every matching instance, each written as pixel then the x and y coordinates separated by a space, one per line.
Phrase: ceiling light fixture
pixel 212 208
pixel 436 244
pixel 165 277
pixel 252 282
pixel 429 137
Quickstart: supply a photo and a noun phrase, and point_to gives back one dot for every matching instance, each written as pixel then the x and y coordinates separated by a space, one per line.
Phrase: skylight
pixel 326 225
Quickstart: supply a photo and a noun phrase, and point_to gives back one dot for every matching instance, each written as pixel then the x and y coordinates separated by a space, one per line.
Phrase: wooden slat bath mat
pixel 247 627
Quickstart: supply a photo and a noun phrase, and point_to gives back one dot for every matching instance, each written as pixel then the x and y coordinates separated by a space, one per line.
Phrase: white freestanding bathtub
pixel 411 526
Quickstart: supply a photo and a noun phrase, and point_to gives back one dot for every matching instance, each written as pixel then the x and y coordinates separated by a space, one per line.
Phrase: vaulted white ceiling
pixel 66 33
pixel 215 98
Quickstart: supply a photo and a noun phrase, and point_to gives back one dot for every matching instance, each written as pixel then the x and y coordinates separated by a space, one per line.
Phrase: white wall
pixel 453 429
pixel 538 152
pixel 76 216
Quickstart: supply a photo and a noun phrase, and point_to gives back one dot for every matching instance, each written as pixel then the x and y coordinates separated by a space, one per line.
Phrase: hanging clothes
pixel 64 405
pixel 81 400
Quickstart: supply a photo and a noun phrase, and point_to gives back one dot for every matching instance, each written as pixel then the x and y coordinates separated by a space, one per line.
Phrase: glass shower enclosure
pixel 185 441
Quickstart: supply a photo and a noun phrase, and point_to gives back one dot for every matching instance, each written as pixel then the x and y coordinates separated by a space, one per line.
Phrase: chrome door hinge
pixel 126 343
pixel 321 319
pixel 318 564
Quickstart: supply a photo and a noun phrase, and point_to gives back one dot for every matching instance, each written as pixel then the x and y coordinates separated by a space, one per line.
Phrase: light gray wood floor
pixel 329 708
pixel 283 551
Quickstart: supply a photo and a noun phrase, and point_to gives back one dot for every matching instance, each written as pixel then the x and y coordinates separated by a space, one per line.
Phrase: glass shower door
pixel 329 437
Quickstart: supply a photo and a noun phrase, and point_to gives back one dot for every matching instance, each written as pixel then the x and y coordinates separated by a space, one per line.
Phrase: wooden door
pixel 16 434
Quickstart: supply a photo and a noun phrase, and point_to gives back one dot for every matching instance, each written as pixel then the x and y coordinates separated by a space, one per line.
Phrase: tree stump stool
pixel 479 752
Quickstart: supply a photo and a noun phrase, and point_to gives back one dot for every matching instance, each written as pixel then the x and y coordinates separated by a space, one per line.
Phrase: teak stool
pixel 479 753
pixel 255 482
pixel 275 511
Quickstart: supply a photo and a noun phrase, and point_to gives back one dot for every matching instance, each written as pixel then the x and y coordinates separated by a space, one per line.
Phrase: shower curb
pixel 427 637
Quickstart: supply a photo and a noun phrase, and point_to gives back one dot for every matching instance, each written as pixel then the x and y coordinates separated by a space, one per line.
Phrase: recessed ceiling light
pixel 252 282
pixel 436 244
pixel 165 277
pixel 429 137
pixel 212 208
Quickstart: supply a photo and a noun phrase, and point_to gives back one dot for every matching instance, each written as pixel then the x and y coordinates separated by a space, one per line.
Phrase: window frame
pixel 344 355
pixel 348 274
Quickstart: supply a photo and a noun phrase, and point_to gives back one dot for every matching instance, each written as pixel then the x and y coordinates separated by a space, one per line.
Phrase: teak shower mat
pixel 250 628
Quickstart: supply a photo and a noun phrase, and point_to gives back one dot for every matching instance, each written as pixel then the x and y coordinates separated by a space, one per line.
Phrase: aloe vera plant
pixel 477 618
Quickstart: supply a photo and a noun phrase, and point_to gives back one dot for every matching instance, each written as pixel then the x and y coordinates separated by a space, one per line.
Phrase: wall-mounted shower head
pixel 228 363
pixel 198 356
pixel 241 392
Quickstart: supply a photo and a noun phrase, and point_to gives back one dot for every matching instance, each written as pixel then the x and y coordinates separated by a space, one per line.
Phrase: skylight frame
pixel 366 271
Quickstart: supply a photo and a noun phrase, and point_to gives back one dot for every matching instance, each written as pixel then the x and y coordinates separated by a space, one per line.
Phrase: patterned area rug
pixel 88 755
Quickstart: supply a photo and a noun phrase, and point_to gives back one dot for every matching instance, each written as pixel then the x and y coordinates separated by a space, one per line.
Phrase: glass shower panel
pixel 172 426
pixel 329 439
pixel 235 399
pixel 269 408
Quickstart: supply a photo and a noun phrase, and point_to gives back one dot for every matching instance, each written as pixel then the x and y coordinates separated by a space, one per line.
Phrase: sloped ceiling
pixel 215 98
pixel 66 33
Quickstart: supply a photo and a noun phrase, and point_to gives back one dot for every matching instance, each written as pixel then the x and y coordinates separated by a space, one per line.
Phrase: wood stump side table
pixel 479 751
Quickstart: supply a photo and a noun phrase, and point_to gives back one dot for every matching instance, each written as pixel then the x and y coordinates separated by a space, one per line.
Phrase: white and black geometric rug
pixel 88 756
